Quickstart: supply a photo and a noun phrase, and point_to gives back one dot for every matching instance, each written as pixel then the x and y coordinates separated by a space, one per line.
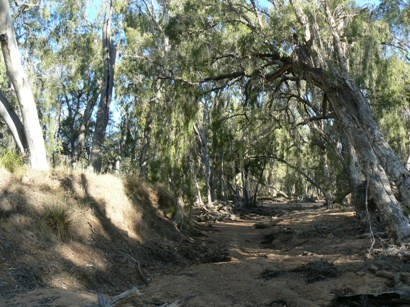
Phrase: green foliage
pixel 171 59
pixel 12 161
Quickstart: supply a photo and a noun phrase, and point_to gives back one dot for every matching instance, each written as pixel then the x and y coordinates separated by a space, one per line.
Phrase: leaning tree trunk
pixel 14 123
pixel 347 99
pixel 354 114
pixel 15 71
pixel 103 113
pixel 377 158
pixel 353 100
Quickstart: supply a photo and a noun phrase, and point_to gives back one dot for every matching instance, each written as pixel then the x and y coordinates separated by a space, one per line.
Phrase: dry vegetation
pixel 65 237
pixel 83 231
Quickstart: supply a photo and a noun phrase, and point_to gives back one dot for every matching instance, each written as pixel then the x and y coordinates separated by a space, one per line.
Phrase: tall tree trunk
pixel 103 113
pixel 82 134
pixel 14 123
pixel 202 135
pixel 15 71
pixel 245 186
pixel 205 153
pixel 352 99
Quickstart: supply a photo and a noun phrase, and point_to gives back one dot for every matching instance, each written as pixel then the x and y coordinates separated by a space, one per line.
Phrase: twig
pixel 140 271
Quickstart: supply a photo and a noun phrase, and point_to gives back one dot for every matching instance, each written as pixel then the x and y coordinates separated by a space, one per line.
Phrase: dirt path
pixel 302 258
pixel 303 255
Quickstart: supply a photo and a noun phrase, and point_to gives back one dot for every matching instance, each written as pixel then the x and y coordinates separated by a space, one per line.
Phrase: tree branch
pixel 13 122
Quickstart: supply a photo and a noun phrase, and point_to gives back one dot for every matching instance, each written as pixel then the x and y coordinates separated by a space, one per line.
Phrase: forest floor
pixel 284 255
pixel 277 254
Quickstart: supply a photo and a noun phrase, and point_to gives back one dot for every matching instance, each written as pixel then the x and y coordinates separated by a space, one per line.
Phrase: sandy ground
pixel 279 255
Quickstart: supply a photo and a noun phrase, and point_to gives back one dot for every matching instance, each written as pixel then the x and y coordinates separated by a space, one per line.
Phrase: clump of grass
pixel 12 161
pixel 58 219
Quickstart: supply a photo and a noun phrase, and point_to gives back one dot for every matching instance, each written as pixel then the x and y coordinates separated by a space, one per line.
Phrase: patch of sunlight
pixel 109 193
pixel 65 281
pixel 236 224
pixel 82 255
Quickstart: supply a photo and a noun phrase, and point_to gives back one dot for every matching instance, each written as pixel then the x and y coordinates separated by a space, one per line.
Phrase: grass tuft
pixel 12 161
pixel 58 220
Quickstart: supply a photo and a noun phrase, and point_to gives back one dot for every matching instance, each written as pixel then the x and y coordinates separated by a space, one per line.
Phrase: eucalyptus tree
pixel 103 113
pixel 158 108
pixel 391 87
pixel 139 91
pixel 18 78
pixel 66 65
pixel 296 40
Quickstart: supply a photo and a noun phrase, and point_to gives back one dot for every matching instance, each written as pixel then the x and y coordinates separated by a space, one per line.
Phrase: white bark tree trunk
pixel 202 135
pixel 21 84
pixel 14 123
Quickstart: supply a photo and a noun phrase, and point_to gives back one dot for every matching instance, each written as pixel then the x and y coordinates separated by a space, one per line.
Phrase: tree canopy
pixel 230 100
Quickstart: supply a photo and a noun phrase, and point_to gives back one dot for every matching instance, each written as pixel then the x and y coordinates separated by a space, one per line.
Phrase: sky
pixel 364 2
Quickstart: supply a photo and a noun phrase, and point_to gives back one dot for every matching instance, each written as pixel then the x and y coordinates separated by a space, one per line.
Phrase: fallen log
pixel 103 302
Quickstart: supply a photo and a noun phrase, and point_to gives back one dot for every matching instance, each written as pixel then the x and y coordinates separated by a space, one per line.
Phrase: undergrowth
pixel 12 161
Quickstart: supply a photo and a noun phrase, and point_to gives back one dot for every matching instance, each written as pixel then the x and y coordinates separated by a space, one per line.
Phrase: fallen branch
pixel 103 302
pixel 125 295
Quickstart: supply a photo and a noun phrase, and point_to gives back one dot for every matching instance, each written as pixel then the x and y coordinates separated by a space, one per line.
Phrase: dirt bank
pixel 305 257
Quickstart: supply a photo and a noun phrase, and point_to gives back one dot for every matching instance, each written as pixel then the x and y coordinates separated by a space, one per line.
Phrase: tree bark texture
pixel 146 146
pixel 355 117
pixel 376 156
pixel 103 113
pixel 14 123
pixel 22 87
pixel 352 166
pixel 82 134
pixel 202 140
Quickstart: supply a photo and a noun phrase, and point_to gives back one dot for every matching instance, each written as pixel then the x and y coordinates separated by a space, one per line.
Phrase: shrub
pixel 58 220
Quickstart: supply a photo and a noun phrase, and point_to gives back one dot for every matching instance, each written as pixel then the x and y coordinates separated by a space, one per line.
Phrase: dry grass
pixel 58 219
pixel 80 229
pixel 5 179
